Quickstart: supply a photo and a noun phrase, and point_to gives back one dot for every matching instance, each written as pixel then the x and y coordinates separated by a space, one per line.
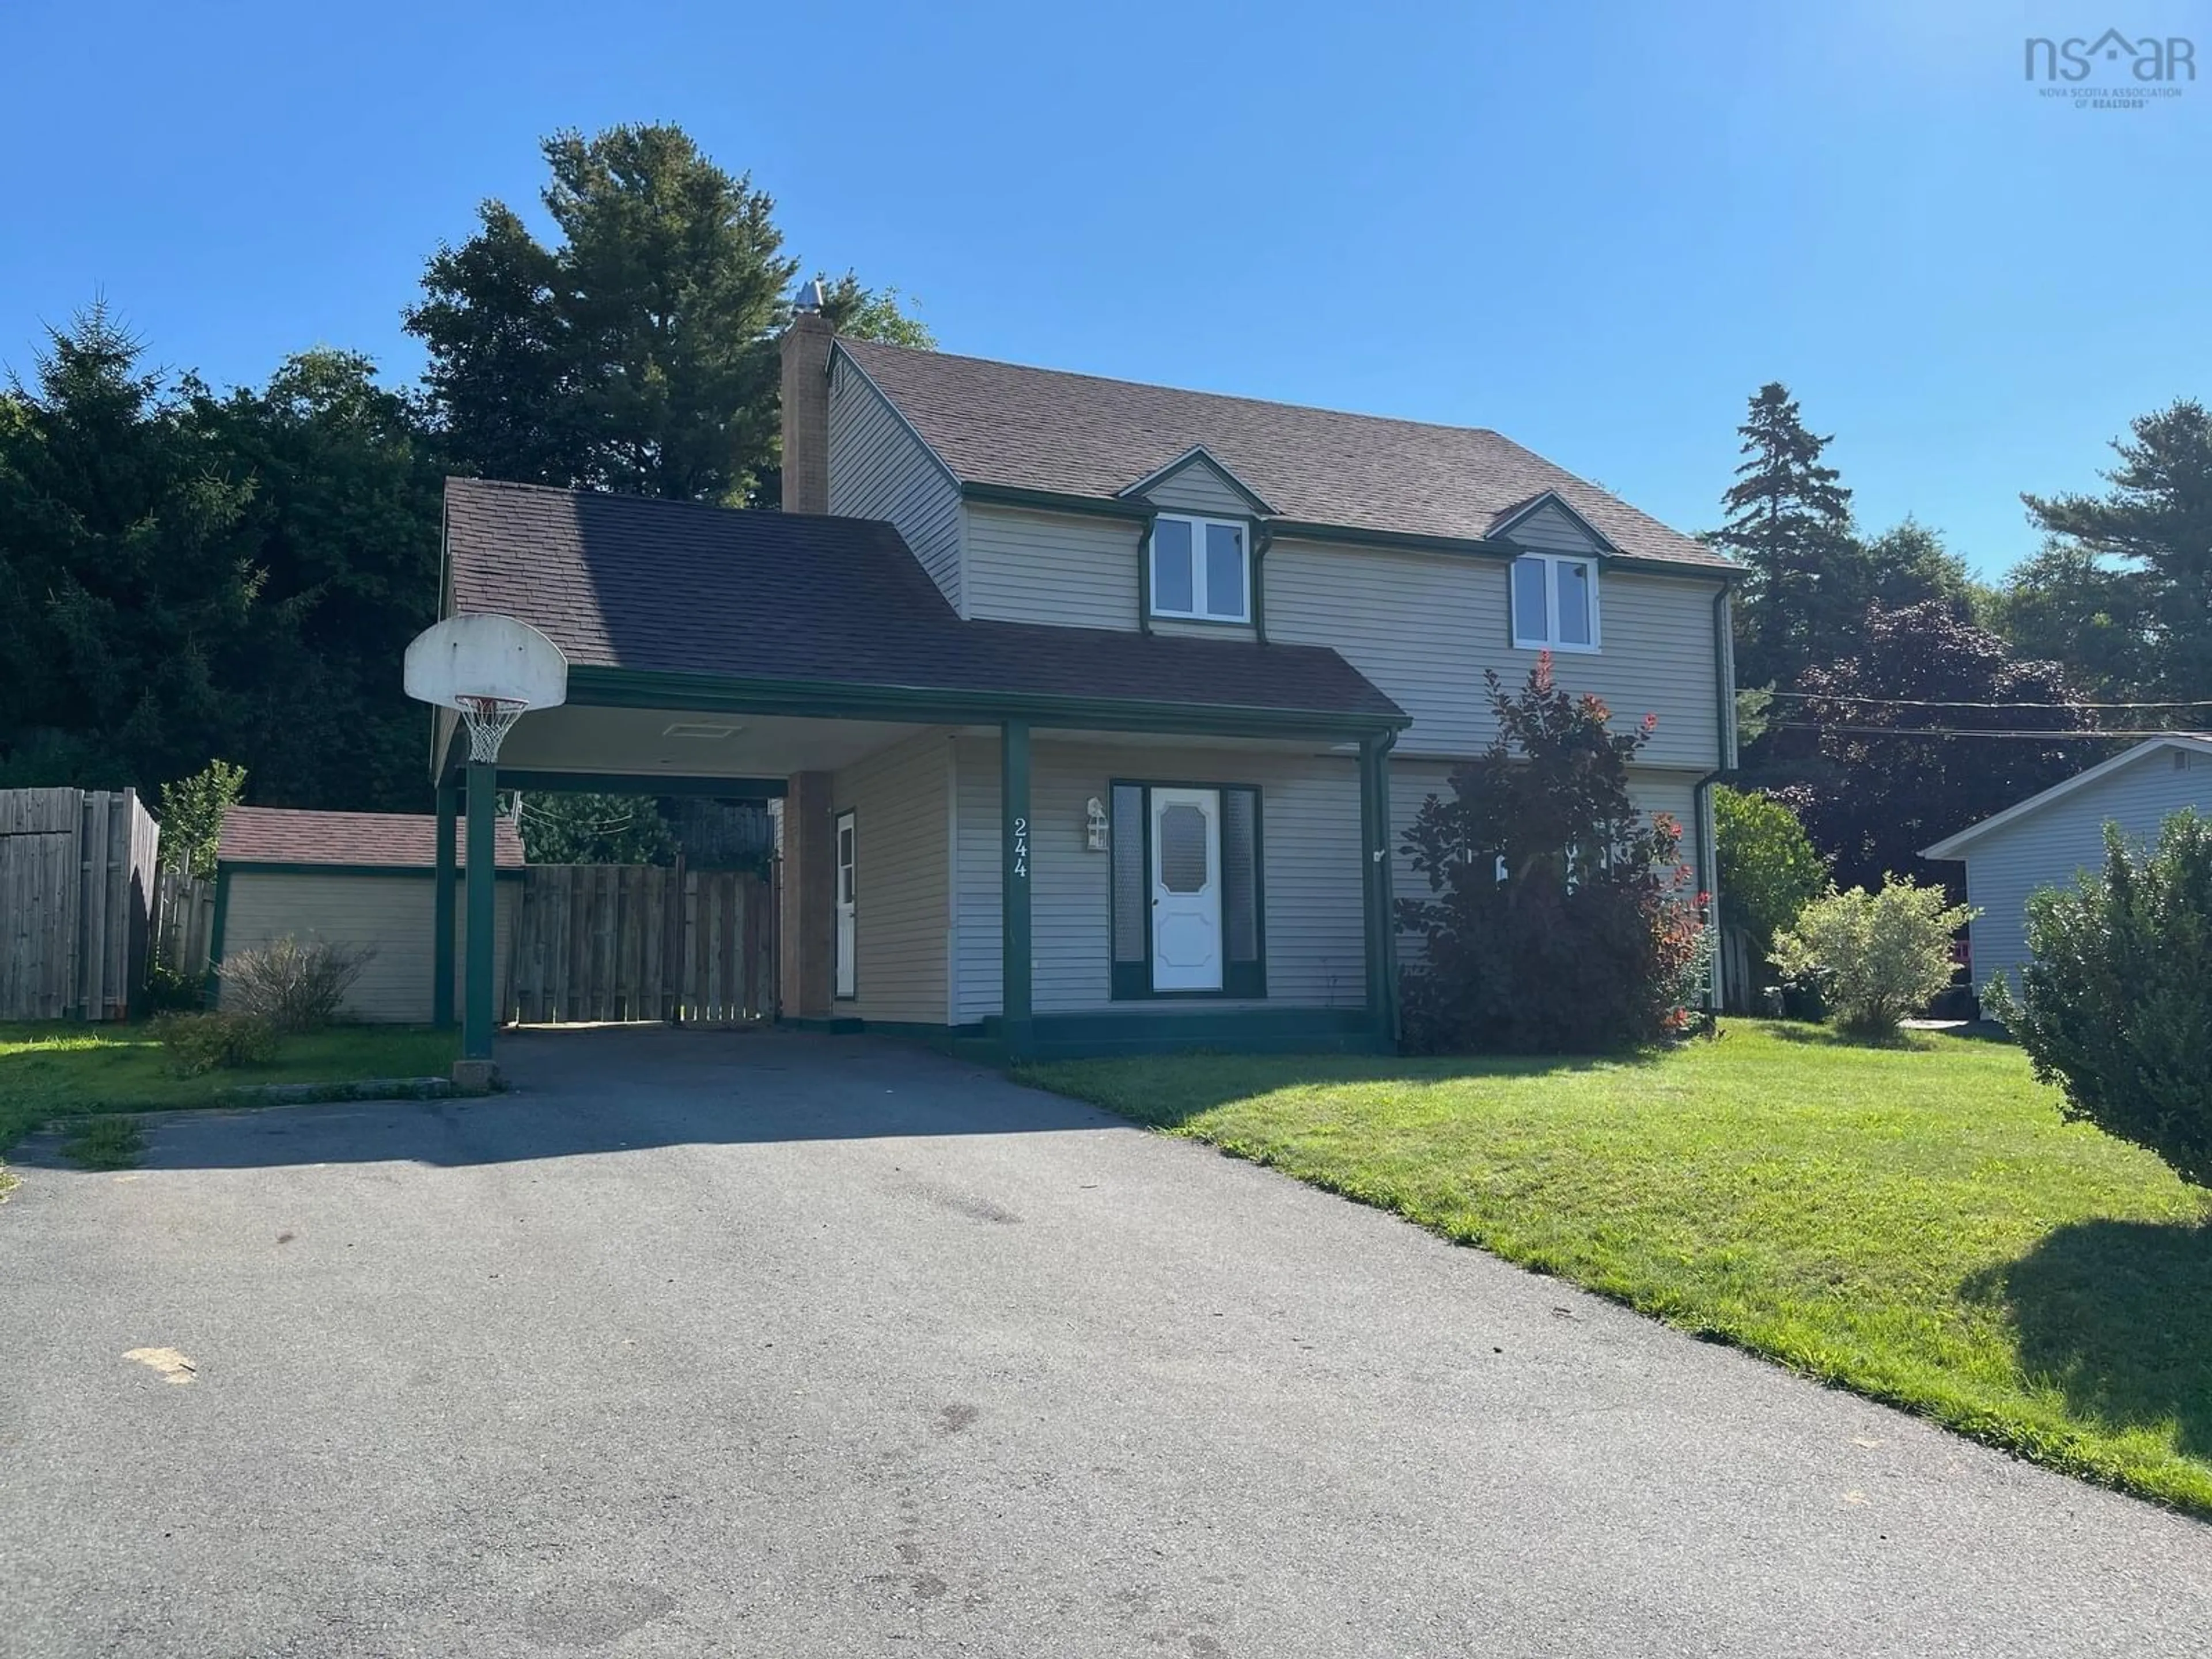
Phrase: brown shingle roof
pixel 402 840
pixel 622 581
pixel 1077 434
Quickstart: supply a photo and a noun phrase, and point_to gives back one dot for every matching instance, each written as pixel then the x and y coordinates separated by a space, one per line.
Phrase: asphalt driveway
pixel 727 1344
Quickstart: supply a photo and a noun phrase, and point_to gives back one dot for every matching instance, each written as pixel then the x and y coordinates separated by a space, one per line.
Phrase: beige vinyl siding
pixel 880 469
pixel 2046 848
pixel 897 798
pixel 1547 530
pixel 392 914
pixel 1199 489
pixel 1077 570
pixel 1424 626
pixel 1309 832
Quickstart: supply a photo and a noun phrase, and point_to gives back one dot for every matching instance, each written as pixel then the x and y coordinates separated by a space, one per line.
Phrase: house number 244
pixel 1022 848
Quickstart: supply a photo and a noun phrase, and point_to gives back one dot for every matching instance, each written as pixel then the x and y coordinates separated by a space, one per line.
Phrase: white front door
pixel 1186 890
pixel 847 894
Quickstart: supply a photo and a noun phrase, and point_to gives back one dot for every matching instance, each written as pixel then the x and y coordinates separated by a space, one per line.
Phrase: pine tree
pixel 1789 519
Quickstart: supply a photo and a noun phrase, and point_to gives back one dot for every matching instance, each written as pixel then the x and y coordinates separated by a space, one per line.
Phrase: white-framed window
pixel 1554 603
pixel 1201 569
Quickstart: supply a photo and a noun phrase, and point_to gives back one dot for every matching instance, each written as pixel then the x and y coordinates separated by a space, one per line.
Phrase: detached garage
pixel 368 880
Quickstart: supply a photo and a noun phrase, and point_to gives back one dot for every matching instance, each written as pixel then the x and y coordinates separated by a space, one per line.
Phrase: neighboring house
pixel 2047 839
pixel 1094 710
pixel 364 880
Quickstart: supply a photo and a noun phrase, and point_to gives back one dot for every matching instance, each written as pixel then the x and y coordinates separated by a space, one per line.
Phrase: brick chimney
pixel 806 406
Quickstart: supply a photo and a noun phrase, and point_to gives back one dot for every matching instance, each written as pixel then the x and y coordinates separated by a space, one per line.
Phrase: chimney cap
pixel 809 297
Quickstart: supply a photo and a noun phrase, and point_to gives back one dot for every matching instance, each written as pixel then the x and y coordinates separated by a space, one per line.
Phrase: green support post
pixel 1375 885
pixel 1014 888
pixel 441 957
pixel 477 1014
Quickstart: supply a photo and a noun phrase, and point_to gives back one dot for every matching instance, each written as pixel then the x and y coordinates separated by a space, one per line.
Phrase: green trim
pixel 1247 979
pixel 643 783
pixel 275 868
pixel 838 817
pixel 443 911
pixel 1015 858
pixel 477 1012
pixel 837 351
pixel 1192 457
pixel 624 688
pixel 1599 540
pixel 215 931
pixel 1375 886
pixel 1144 573
pixel 840 1025
pixel 1159 1030
pixel 1053 500
pixel 1263 537
pixel 1241 982
pixel 1219 623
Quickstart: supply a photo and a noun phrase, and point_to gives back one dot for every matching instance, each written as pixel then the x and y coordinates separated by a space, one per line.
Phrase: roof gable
pixel 1954 847
pixel 1548 523
pixel 1196 481
pixel 1008 427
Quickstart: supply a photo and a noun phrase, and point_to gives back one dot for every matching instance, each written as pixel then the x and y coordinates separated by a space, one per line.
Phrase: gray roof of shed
pixel 1078 434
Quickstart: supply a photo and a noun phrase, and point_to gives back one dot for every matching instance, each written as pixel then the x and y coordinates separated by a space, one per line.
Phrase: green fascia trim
pixel 215 930
pixel 1196 455
pixel 1053 500
pixel 1241 982
pixel 643 783
pixel 843 1026
pixel 626 688
pixel 1537 504
pixel 838 353
pixel 1488 548
pixel 1242 1031
pixel 420 871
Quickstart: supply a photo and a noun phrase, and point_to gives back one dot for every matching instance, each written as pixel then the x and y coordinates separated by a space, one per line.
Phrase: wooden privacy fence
pixel 76 898
pixel 184 921
pixel 642 942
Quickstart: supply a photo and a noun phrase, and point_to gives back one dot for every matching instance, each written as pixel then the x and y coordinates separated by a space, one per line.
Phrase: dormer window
pixel 1554 603
pixel 1202 570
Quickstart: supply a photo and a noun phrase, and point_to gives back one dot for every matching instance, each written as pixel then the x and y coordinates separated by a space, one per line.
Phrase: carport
pixel 766 656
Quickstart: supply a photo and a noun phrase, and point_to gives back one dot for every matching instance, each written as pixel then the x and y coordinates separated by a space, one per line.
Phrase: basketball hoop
pixel 488 720
pixel 490 670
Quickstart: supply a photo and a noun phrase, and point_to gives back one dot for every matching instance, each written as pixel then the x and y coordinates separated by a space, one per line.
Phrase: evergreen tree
pixel 129 592
pixel 2155 528
pixel 639 354
pixel 2064 605
pixel 1789 519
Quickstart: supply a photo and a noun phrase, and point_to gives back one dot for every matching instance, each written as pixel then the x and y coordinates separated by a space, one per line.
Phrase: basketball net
pixel 488 720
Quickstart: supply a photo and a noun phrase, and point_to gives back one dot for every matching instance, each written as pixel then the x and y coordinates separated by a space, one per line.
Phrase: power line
pixel 2045 735
pixel 1917 702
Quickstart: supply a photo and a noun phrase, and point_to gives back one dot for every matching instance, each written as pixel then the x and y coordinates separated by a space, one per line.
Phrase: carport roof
pixel 397 840
pixel 623 582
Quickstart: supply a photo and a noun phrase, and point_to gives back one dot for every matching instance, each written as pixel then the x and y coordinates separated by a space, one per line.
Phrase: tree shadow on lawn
pixel 2119 1315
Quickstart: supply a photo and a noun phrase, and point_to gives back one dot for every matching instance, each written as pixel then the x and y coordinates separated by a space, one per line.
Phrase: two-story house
pixel 1094 709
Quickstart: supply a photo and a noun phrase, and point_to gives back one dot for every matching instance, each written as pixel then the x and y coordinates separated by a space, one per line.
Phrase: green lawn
pixel 1912 1223
pixel 55 1071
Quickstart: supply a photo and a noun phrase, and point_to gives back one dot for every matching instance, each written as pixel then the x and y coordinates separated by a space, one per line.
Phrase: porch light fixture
pixel 707 729
pixel 1095 833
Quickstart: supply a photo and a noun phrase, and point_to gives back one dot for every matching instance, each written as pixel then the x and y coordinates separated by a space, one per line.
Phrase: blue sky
pixel 1597 227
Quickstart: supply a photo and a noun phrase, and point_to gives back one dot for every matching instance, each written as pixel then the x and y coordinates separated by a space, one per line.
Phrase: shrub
pixel 216 1041
pixel 295 985
pixel 1559 922
pixel 2115 1006
pixel 1874 957
pixel 172 991
pixel 192 815
pixel 1769 870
